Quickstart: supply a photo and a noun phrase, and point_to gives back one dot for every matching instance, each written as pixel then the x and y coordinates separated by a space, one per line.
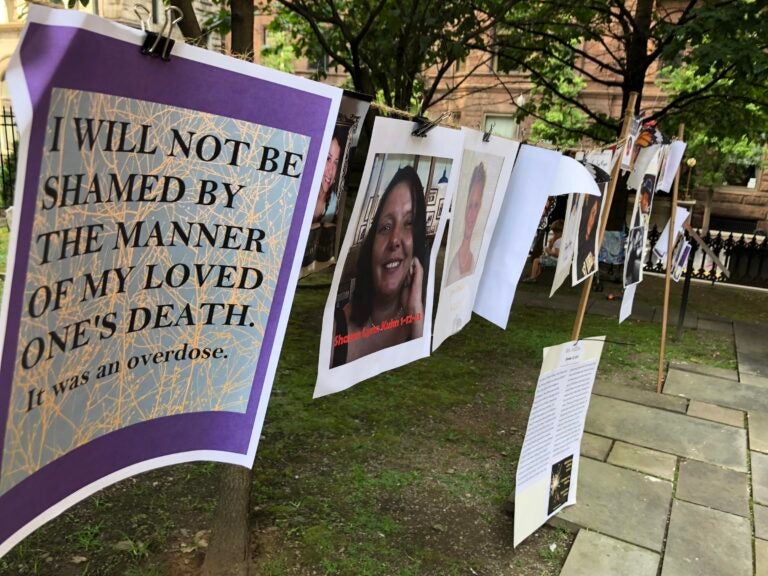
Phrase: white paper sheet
pixel 547 471
pixel 538 173
pixel 660 248
pixel 371 345
pixel 473 220
pixel 643 160
pixel 568 243
pixel 524 202
pixel 627 300
pixel 674 156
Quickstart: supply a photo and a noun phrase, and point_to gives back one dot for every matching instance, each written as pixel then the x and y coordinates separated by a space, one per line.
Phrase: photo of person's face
pixel 331 165
pixel 392 252
pixel 646 194
pixel 474 203
pixel 592 220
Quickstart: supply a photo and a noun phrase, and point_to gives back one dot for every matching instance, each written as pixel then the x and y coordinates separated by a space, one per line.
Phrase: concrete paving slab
pixel 620 503
pixel 754 380
pixel 759 477
pixel 640 396
pixel 751 348
pixel 716 413
pixel 707 542
pixel 761 521
pixel 643 460
pixel 594 554
pixel 758 431
pixel 708 370
pixel 716 391
pixel 714 487
pixel 725 326
pixel 668 432
pixel 761 557
pixel 595 447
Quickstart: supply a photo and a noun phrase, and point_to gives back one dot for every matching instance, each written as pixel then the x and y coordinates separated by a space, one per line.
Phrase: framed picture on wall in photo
pixel 440 207
pixel 430 220
pixel 431 196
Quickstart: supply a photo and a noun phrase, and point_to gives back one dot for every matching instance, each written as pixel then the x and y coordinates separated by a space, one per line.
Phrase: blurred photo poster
pixel 671 166
pixel 325 233
pixel 379 310
pixel 587 242
pixel 483 179
pixel 521 212
pixel 568 242
pixel 633 262
pixel 662 244
pixel 156 246
pixel 548 468
pixel 586 250
pixel 680 257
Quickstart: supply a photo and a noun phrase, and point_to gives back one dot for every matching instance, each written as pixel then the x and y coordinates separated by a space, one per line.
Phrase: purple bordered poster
pixel 161 213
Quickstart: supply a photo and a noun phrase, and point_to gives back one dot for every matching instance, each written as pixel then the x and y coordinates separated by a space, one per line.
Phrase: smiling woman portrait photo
pixel 386 307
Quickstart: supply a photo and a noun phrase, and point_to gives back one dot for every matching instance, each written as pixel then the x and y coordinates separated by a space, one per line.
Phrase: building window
pixel 503 125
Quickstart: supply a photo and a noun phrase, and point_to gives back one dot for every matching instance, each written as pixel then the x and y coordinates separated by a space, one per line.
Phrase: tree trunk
pixel 189 25
pixel 229 551
pixel 634 81
pixel 242 28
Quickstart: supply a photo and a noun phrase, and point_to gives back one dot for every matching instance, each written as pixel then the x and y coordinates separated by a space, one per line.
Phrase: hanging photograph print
pixel 324 234
pixel 633 265
pixel 585 258
pixel 483 178
pixel 568 240
pixel 587 242
pixel 151 274
pixel 380 305
pixel 522 212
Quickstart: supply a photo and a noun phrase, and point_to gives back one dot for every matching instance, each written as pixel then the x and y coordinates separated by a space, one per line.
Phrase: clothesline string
pixel 404 114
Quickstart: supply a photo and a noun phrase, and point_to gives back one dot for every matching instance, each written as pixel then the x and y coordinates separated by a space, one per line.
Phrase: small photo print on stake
pixel 633 264
pixel 680 258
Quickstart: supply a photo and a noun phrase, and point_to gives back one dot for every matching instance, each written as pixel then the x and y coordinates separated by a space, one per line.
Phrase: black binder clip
pixel 425 125
pixel 487 133
pixel 151 45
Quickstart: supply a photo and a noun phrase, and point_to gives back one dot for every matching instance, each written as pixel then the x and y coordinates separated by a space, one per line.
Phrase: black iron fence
pixel 9 144
pixel 745 256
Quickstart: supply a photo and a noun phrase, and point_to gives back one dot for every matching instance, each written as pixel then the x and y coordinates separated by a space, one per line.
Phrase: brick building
pixel 481 96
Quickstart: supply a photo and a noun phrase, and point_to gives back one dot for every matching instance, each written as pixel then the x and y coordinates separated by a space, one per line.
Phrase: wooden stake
pixel 607 201
pixel 670 247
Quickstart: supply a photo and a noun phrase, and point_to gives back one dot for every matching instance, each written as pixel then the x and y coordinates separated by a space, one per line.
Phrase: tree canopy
pixel 710 56
pixel 387 46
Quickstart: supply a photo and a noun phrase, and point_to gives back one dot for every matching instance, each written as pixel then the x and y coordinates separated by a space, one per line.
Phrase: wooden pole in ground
pixel 667 276
pixel 586 286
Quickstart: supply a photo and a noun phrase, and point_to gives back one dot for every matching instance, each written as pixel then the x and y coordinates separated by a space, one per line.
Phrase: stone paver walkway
pixel 674 484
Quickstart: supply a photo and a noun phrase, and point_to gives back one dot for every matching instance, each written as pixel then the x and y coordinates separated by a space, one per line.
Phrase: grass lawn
pixel 404 474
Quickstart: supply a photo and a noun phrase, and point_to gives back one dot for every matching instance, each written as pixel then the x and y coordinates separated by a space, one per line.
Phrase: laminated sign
pixel 162 210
